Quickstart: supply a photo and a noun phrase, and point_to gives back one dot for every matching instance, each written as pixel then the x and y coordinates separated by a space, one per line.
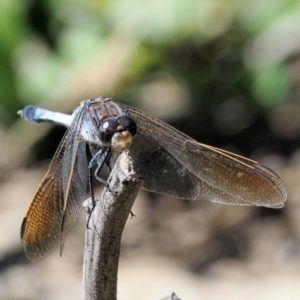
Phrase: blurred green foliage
pixel 231 58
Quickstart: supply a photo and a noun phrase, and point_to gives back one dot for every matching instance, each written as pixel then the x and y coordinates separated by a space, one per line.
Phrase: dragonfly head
pixel 118 133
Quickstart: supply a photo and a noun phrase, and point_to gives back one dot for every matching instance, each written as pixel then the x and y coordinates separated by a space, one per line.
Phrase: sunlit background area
pixel 226 73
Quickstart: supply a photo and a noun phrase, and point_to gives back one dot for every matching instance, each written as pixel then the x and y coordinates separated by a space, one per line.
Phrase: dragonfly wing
pixel 74 174
pixel 77 190
pixel 57 202
pixel 41 227
pixel 245 179
pixel 203 172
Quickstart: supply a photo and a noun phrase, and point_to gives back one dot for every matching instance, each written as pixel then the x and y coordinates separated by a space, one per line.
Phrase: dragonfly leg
pixel 100 158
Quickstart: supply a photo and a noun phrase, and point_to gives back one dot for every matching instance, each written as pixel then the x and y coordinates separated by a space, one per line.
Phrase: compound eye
pixel 107 130
pixel 128 124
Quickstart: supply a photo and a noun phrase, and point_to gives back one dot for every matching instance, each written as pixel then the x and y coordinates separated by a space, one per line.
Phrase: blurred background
pixel 226 73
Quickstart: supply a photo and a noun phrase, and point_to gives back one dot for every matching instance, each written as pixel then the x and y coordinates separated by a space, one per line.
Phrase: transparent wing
pixel 41 227
pixel 172 163
pixel 75 193
pixel 74 174
pixel 57 202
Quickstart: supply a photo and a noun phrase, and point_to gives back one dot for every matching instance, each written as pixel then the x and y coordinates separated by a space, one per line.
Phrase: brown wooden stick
pixel 105 227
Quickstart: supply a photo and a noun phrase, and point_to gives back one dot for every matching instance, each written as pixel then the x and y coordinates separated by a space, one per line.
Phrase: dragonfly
pixel 170 163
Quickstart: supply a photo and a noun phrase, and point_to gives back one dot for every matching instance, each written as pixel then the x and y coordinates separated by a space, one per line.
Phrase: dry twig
pixel 104 231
